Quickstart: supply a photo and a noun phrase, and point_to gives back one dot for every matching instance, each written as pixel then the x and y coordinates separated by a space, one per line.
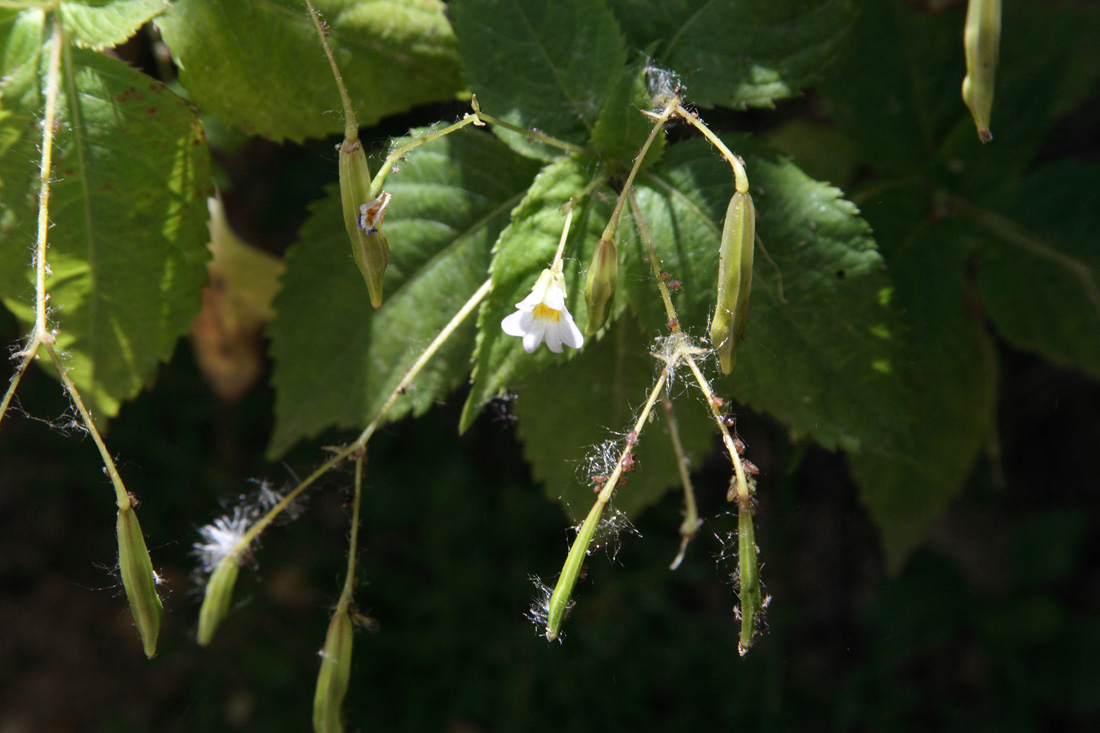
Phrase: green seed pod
pixel 363 217
pixel 138 580
pixel 219 592
pixel 332 680
pixel 981 39
pixel 599 289
pixel 735 258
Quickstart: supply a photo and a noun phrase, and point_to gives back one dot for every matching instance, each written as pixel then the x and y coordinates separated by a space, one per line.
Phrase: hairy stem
pixel 691 521
pixel 642 225
pixel 741 179
pixel 351 122
pixel 658 125
pixel 533 134
pixel 353 543
pixel 393 157
pixel 41 333
pixel 122 497
pixel 563 590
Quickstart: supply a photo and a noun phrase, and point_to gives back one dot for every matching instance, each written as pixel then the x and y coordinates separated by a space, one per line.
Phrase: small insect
pixel 738 444
pixel 750 467
pixel 134 501
pixel 674 285
pixel 629 464
pixel 632 438
pixel 717 401
pixel 673 324
pixel 371 213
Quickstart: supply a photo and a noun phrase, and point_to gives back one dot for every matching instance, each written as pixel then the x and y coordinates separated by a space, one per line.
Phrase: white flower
pixel 542 316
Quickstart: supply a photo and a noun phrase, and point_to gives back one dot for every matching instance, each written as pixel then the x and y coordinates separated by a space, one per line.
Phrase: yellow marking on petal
pixel 543 311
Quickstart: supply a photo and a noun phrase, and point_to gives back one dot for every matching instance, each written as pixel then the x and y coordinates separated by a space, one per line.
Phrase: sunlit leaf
pixel 258 64
pixel 128 214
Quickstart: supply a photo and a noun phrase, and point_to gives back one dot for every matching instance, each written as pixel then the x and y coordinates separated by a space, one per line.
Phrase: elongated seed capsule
pixel 749 573
pixel 599 289
pixel 363 217
pixel 735 256
pixel 981 40
pixel 219 592
pixel 138 580
pixel 561 600
pixel 332 680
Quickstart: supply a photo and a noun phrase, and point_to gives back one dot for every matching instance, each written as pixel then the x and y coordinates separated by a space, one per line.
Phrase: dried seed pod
pixel 332 680
pixel 139 580
pixel 219 592
pixel 363 217
pixel 981 40
pixel 734 279
pixel 599 289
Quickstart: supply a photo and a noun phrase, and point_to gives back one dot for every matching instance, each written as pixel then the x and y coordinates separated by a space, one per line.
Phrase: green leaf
pixel 1039 277
pixel 621 130
pixel 541 65
pixel 100 24
pixel 574 419
pixel 22 34
pixel 259 65
pixel 525 249
pixel 950 366
pixel 336 358
pixel 739 53
pixel 825 360
pixel 128 214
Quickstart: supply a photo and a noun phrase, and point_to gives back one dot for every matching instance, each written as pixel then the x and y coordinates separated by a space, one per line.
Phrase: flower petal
pixel 513 324
pixel 569 333
pixel 531 341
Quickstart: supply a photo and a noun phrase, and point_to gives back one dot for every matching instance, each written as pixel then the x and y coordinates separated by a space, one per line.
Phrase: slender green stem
pixel 393 157
pixel 41 333
pixel 555 266
pixel 351 123
pixel 642 225
pixel 742 486
pixel 658 126
pixel 533 134
pixel 353 543
pixel 27 355
pixel 122 497
pixel 740 177
pixel 361 442
pixel 691 521
pixel 57 41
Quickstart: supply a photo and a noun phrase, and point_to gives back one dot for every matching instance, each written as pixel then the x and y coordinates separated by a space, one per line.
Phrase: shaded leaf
pixel 336 358
pixel 100 24
pixel 541 65
pixel 739 53
pixel 128 214
pixel 950 365
pixel 1039 271
pixel 259 65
